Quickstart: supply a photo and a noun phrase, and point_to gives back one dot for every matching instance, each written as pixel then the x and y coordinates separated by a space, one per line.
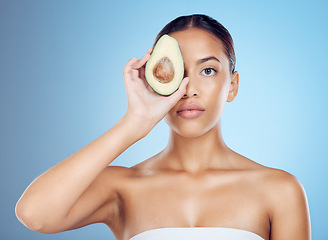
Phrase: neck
pixel 199 153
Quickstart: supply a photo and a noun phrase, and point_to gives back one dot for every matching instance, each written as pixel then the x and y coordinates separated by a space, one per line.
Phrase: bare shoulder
pixel 274 181
pixel 281 189
pixel 281 185
pixel 286 203
pixel 278 185
pixel 290 218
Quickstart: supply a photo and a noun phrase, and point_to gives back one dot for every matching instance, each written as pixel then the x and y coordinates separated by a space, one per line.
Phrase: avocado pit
pixel 164 70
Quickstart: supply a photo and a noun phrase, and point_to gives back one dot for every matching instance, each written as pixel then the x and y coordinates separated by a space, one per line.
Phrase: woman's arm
pixel 290 214
pixel 78 191
pixel 45 205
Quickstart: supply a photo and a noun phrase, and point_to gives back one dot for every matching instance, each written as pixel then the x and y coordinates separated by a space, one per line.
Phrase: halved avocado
pixel 165 68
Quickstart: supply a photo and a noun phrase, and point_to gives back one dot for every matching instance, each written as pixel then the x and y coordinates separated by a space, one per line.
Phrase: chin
pixel 189 129
pixel 189 133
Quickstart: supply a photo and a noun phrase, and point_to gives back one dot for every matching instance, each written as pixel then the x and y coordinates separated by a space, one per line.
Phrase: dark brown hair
pixel 208 24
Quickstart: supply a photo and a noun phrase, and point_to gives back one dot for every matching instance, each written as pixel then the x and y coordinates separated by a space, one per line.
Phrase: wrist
pixel 137 125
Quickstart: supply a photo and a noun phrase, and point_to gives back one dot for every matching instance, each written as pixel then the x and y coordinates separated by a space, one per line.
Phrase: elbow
pixel 31 218
pixel 28 217
pixel 25 216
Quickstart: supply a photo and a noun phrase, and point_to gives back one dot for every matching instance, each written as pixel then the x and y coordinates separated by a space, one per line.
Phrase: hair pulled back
pixel 208 24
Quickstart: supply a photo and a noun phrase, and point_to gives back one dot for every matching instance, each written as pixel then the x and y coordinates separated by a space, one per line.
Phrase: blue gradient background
pixel 61 68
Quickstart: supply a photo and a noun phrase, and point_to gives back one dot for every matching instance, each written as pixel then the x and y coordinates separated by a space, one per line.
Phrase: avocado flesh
pixel 165 68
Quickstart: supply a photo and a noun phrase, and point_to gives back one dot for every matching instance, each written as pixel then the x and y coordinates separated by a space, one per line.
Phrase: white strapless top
pixel 196 233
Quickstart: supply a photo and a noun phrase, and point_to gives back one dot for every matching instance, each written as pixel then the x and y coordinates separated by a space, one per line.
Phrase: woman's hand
pixel 144 104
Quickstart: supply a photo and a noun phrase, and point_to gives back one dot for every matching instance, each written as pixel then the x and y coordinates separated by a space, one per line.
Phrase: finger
pixel 129 64
pixel 142 73
pixel 143 60
pixel 127 68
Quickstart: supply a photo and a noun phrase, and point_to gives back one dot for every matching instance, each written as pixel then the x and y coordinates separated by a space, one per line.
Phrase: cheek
pixel 169 117
pixel 217 96
pixel 173 122
pixel 223 93
pixel 216 90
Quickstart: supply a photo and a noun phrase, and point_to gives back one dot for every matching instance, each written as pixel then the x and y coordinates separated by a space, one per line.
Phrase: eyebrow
pixel 207 59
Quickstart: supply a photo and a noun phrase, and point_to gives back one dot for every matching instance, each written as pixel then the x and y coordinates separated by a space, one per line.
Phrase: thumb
pixel 177 95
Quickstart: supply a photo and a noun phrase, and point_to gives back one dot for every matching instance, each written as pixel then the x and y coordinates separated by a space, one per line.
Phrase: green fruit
pixel 165 69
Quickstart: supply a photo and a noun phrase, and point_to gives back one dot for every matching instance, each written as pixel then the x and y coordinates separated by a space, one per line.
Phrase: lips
pixel 190 111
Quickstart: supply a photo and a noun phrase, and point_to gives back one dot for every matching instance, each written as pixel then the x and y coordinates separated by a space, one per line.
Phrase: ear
pixel 233 91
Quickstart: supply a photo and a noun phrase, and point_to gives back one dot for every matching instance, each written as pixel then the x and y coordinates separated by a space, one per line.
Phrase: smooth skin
pixel 196 181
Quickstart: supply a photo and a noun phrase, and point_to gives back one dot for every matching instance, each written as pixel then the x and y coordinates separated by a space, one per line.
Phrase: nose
pixel 192 90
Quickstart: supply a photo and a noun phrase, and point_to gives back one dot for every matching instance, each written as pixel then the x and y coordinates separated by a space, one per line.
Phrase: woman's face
pixel 210 85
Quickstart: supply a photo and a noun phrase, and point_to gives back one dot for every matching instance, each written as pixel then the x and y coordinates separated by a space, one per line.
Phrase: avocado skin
pixel 166 47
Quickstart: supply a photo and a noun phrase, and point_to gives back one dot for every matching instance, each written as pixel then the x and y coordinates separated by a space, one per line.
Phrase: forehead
pixel 199 43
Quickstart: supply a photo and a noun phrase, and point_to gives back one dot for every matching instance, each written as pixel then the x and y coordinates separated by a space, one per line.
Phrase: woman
pixel 197 187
